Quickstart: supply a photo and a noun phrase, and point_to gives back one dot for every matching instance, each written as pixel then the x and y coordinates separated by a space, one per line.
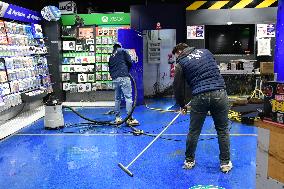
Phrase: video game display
pixel 23 63
pixel 86 52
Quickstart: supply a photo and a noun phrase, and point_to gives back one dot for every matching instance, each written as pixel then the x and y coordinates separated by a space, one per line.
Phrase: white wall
pixel 158 73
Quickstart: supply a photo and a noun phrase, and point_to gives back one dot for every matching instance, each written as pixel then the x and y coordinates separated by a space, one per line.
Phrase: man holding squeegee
pixel 199 69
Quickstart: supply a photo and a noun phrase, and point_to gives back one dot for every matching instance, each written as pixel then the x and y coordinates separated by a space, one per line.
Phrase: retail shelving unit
pixel 24 70
pixel 86 51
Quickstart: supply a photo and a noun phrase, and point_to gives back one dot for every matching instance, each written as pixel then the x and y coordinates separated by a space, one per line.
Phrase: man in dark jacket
pixel 119 65
pixel 199 69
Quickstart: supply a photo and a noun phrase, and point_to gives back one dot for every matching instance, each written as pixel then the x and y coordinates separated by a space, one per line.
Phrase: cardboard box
pixel 266 67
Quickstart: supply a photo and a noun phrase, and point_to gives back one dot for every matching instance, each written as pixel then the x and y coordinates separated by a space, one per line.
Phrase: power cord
pixel 109 122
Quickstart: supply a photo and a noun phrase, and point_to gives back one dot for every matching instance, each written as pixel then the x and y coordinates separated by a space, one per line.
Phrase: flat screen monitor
pixel 230 39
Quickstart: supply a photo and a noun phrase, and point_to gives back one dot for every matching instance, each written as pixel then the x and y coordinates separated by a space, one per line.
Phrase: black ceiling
pixel 101 6
pixel 96 5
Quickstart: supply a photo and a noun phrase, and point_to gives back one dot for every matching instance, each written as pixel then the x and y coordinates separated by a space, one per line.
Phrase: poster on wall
pixel 264 47
pixel 271 30
pixel 265 30
pixel 86 33
pixel 195 32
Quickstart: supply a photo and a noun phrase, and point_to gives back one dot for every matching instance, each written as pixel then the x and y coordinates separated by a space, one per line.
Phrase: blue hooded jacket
pixel 119 63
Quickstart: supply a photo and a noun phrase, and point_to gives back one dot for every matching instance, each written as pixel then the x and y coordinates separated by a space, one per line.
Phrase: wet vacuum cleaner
pixel 53 118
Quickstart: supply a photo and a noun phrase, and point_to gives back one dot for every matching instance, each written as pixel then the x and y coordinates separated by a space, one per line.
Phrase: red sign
pixel 158 26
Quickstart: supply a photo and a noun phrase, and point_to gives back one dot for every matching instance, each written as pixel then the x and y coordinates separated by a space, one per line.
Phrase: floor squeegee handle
pixel 125 169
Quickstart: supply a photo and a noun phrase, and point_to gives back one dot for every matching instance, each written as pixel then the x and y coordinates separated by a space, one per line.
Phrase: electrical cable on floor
pixel 149 134
pixel 95 122
pixel 176 140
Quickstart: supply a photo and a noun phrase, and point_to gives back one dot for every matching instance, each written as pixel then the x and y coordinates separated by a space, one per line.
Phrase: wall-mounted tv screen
pixel 230 39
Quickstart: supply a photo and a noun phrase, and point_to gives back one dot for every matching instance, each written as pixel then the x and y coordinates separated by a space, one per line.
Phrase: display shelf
pixel 24 91
pixel 68 37
pixel 79 64
pixel 24 58
pixel 27 98
pixel 101 42
pixel 81 82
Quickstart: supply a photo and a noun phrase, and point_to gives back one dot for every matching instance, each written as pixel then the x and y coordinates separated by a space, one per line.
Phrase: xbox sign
pixel 105 19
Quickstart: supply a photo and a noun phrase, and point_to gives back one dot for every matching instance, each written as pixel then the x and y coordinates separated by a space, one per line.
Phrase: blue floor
pixel 87 158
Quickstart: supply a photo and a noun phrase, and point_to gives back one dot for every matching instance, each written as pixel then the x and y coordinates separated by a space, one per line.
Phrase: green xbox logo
pixel 104 19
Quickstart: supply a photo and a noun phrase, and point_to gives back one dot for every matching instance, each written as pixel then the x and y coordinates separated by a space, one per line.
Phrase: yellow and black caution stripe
pixel 231 4
pixel 235 116
pixel 232 115
pixel 267 3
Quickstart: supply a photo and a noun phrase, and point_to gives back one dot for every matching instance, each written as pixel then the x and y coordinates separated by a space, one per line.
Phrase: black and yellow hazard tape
pixel 231 4
pixel 232 115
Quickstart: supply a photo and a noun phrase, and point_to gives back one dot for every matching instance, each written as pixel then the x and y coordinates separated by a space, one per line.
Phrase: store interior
pixel 57 96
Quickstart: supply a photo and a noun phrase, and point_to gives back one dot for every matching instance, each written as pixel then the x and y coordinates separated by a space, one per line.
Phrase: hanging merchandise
pixel 81 88
pixel 69 45
pixel 90 46
pixel 88 87
pixel 51 13
pixel 82 78
pixel 91 77
pixel 98 76
pixel 66 86
pixel 86 33
pixel 37 31
pixel 23 63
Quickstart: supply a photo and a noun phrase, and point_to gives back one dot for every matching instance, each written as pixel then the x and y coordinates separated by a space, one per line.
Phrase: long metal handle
pixel 153 141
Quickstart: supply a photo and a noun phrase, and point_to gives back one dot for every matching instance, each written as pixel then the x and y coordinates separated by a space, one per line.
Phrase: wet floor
pixel 87 157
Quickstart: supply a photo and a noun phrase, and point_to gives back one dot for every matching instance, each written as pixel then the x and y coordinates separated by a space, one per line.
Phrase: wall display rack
pixel 23 64
pixel 86 52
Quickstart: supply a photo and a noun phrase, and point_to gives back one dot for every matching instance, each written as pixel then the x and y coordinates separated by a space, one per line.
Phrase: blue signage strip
pixel 22 14
pixel 279 47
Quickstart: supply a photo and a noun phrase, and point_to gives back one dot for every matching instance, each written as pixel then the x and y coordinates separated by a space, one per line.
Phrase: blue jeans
pixel 217 103
pixel 122 86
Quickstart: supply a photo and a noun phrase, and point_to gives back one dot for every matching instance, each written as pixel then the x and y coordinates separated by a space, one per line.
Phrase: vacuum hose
pixel 109 122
